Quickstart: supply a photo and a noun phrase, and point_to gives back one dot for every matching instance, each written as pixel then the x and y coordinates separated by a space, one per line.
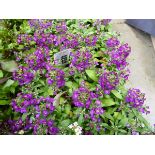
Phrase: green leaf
pixel 92 74
pixel 106 126
pixel 8 83
pixel 80 120
pixel 32 118
pixel 122 89
pixel 72 85
pixel 1 74
pixel 117 115
pixel 67 108
pixel 106 102
pixel 68 84
pixel 9 66
pixel 123 121
pixel 50 91
pixel 144 121
pixel 107 115
pixel 123 131
pixel 70 91
pixel 12 90
pixel 141 118
pixel 107 96
pixel 65 123
pixel 117 94
pixel 5 102
pixel 24 116
pixel 42 82
pixel 20 47
pixel 111 110
pixel 96 55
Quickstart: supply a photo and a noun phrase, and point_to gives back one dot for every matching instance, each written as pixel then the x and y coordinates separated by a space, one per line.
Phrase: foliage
pixel 9 30
pixel 84 91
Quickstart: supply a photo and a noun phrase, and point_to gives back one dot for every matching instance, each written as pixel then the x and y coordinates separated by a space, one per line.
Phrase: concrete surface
pixel 141 62
pixel 153 41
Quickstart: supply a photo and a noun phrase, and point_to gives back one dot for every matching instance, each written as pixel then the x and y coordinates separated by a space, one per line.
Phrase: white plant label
pixel 62 57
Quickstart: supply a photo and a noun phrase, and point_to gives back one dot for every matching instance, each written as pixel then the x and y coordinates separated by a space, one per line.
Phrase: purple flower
pixel 112 42
pixel 98 102
pixel 43 121
pixel 49 123
pixel 50 81
pixel 91 41
pixel 27 96
pixel 23 76
pixel 136 100
pixel 53 130
pixel 37 116
pixel 81 60
pixel 119 55
pixel 95 112
pixel 45 113
pixel 135 133
pixel 81 97
pixel 99 111
pixel 23 110
pixel 35 129
pixel 108 81
pixel 105 21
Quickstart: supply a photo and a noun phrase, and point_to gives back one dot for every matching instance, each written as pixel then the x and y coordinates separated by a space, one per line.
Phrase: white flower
pixel 21 132
pixel 70 126
pixel 76 130
pixel 75 124
pixel 79 128
pixel 78 133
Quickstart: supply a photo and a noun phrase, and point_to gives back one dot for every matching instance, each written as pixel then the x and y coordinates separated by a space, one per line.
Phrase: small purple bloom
pixel 23 110
pixel 112 42
pixel 49 123
pixel 45 113
pixel 50 81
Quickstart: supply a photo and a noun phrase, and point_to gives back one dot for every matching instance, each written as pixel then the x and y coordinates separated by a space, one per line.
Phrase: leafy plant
pixel 81 91
pixel 9 30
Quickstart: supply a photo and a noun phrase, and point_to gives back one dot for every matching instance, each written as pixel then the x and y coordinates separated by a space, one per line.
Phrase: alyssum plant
pixel 71 76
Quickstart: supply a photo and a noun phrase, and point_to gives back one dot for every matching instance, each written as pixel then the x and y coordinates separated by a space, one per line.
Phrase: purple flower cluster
pixel 24 38
pixel 136 100
pixel 96 111
pixel 39 24
pixel 15 125
pixel 81 60
pixel 69 41
pixel 91 41
pixel 101 22
pixel 105 21
pixel 38 60
pixel 61 28
pixel 81 97
pixel 24 75
pixel 24 101
pixel 41 108
pixel 119 55
pixel 108 81
pixel 124 74
pixel 55 76
pixel 112 42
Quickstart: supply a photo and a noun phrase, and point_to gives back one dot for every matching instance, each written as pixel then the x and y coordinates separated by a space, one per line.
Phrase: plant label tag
pixel 62 57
